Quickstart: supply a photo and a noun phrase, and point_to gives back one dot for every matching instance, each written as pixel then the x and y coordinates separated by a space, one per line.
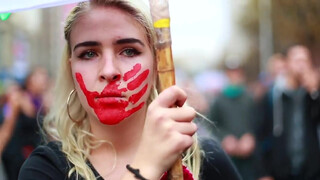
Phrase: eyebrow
pixel 129 40
pixel 87 43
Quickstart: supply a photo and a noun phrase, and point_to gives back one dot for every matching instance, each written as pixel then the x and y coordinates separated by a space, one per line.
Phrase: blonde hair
pixel 76 139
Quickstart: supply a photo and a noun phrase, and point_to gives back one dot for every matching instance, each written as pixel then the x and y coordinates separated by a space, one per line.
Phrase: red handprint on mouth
pixel 109 105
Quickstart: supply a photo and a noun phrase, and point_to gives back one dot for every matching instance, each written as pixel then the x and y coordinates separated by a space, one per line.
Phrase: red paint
pixel 139 80
pixel 110 105
pixel 135 98
pixel 136 68
pixel 187 175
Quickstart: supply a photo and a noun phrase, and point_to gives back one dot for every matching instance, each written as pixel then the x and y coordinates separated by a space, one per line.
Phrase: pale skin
pixel 150 139
pixel 242 147
pixel 301 72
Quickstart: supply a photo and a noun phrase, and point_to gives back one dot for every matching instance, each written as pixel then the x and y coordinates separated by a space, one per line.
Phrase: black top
pixel 274 148
pixel 25 138
pixel 49 163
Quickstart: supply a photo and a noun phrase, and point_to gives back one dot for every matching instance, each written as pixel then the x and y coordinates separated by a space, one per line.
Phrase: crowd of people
pixel 107 116
pixel 287 133
pixel 271 131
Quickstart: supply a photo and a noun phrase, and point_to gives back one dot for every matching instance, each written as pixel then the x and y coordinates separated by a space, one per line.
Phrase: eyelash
pixel 134 51
pixel 83 54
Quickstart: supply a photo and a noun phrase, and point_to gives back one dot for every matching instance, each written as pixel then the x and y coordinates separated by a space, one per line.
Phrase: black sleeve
pixel 216 164
pixel 45 163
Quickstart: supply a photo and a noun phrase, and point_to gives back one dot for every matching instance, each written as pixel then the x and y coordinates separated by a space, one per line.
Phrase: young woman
pixel 107 120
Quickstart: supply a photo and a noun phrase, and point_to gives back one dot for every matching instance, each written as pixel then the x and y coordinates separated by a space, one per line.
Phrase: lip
pixel 110 97
pixel 110 100
pixel 110 94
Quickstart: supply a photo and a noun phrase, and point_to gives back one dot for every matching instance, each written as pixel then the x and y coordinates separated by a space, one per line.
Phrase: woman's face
pixel 111 63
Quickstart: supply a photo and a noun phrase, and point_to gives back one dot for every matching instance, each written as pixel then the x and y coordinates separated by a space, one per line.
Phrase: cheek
pixel 88 77
pixel 82 81
pixel 81 95
pixel 138 81
pixel 141 79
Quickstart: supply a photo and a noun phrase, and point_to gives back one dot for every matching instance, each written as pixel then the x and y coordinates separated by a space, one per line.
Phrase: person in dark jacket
pixel 233 113
pixel 291 143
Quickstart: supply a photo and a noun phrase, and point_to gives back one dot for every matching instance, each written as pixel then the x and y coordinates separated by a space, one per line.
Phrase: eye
pixel 130 52
pixel 87 55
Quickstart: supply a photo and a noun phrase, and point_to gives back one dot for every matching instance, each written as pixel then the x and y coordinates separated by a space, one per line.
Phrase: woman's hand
pixel 167 133
pixel 311 81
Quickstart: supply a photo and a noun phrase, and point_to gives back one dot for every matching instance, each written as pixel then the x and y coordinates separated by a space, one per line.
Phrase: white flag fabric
pixel 10 6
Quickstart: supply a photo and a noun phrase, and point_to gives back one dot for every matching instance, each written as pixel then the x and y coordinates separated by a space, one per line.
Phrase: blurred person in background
pixel 269 109
pixel 291 131
pixel 277 67
pixel 232 112
pixel 9 113
pixel 8 117
pixel 25 136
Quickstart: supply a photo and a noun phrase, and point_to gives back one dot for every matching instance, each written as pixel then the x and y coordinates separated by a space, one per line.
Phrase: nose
pixel 109 71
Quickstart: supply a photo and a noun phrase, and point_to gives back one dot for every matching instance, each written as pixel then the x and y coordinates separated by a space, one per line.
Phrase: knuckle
pixel 169 127
pixel 162 120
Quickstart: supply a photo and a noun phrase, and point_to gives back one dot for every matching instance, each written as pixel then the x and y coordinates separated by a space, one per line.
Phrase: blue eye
pixel 130 52
pixel 87 55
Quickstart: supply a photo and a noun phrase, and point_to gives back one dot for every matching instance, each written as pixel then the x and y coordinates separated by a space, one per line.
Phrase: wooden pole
pixel 165 66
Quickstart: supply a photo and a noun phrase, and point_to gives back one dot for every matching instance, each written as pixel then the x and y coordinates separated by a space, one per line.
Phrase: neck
pixel 126 135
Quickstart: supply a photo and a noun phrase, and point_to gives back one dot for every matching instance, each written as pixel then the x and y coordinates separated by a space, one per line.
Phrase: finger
pixel 187 142
pixel 185 128
pixel 181 114
pixel 172 96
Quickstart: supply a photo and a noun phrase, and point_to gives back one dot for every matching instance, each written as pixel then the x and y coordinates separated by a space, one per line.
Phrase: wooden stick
pixel 166 78
pixel 165 66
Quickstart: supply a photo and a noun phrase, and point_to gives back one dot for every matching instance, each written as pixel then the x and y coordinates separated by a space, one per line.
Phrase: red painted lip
pixel 110 100
pixel 110 97
pixel 110 93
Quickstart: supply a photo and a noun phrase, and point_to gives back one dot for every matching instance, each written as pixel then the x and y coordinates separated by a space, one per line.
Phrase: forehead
pixel 298 52
pixel 99 23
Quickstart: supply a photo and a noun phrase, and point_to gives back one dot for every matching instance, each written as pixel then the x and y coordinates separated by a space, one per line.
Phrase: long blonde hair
pixel 76 139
